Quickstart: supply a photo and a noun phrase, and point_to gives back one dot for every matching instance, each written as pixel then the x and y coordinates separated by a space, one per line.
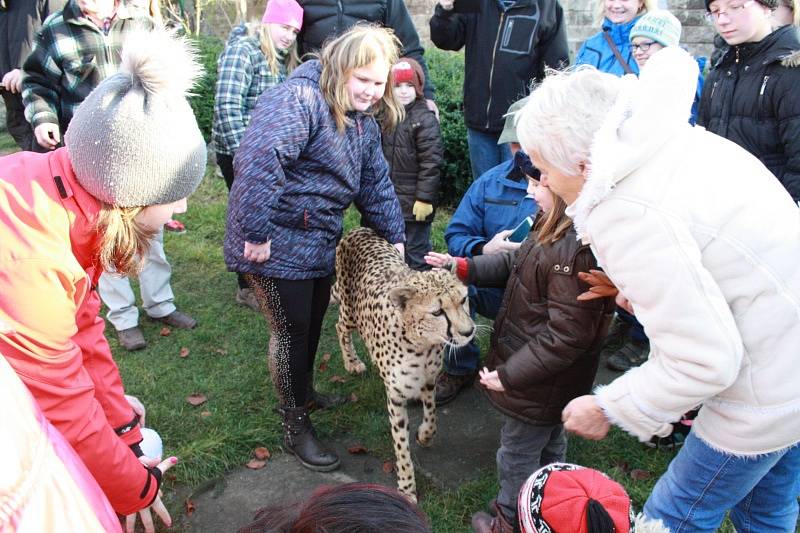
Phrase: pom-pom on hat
pixel 567 497
pixel 659 25
pixel 134 140
pixel 407 70
pixel 287 12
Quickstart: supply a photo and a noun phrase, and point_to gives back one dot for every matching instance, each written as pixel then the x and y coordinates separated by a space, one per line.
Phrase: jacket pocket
pixel 519 32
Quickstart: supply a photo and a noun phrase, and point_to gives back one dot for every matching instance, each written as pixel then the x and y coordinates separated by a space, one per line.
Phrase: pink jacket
pixel 48 270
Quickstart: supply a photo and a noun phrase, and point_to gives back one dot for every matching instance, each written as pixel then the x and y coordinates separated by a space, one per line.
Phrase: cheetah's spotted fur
pixel 405 318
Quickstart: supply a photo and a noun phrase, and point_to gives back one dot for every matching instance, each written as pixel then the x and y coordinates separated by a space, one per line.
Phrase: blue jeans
pixel 484 152
pixel 486 302
pixel 637 330
pixel 701 484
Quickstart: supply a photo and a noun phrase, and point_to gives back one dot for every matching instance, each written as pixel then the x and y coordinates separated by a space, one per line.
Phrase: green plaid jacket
pixel 70 56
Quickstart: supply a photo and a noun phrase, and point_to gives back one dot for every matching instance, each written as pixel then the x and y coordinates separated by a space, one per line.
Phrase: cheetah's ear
pixel 400 295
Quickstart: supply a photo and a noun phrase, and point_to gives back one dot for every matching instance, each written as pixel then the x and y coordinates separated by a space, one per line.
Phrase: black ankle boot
pixel 317 400
pixel 300 439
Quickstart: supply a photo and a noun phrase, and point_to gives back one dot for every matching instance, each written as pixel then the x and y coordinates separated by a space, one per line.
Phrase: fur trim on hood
pixel 792 60
pixel 647 112
pixel 643 525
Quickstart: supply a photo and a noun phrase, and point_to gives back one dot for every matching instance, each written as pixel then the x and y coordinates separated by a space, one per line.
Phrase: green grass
pixel 7 144
pixel 227 363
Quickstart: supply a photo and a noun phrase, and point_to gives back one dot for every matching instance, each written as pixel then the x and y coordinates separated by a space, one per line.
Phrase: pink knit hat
pixel 286 12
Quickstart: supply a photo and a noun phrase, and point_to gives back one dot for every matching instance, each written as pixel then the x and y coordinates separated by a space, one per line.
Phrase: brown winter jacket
pixel 414 152
pixel 546 343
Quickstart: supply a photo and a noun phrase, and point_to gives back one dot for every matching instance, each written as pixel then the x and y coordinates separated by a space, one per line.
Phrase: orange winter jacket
pixel 48 270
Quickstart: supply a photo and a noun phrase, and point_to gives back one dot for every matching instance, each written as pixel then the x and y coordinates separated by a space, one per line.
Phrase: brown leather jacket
pixel 546 343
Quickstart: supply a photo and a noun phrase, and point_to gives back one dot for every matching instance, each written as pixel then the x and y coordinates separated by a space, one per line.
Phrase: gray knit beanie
pixel 134 140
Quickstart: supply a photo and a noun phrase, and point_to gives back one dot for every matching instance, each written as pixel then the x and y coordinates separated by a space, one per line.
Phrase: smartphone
pixel 521 231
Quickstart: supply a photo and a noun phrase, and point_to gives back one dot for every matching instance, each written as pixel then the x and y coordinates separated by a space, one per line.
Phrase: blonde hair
pixel 358 47
pixel 600 9
pixel 794 5
pixel 123 240
pixel 261 31
pixel 555 223
pixel 563 114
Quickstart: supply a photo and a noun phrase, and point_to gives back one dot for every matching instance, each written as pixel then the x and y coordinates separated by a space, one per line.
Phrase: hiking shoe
pixel 617 335
pixel 633 353
pixel 131 339
pixel 176 319
pixel 247 298
pixel 175 226
pixel 449 385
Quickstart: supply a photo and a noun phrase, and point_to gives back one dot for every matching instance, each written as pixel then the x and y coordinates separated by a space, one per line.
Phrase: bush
pixel 202 101
pixel 447 73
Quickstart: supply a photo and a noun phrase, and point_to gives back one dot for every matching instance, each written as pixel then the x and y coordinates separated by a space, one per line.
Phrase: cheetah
pixel 406 319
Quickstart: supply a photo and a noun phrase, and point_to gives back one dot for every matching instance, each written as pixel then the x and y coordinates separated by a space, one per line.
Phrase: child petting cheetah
pixel 545 346
pixel 405 318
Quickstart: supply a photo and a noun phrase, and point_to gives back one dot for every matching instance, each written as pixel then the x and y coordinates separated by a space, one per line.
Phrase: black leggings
pixel 225 163
pixel 294 310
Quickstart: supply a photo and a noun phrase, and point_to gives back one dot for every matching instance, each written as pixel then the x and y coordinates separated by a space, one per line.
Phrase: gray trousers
pixel 524 448
pixel 157 297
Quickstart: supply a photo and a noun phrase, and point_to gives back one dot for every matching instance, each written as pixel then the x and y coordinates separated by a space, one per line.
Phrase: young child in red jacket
pixel 133 154
pixel 545 347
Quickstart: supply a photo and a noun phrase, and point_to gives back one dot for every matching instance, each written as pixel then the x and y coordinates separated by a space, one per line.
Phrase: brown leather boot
pixel 300 440
pixel 483 522
pixel 316 400
pixel 449 385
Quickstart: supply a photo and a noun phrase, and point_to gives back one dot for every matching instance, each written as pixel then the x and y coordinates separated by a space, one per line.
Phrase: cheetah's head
pixel 434 309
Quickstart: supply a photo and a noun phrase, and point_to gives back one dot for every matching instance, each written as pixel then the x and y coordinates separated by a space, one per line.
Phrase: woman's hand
pixel 491 380
pixel 157 505
pixel 438 260
pixel 258 253
pixel 584 417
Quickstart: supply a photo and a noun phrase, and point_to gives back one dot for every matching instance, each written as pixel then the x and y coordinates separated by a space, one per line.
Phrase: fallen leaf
pixel 196 399
pixel 388 467
pixel 205 414
pixel 353 397
pixel 326 357
pixel 261 453
pixel 171 476
pixel 337 379
pixel 639 474
pixel 255 464
pixel 184 352
pixel 357 449
pixel 221 351
pixel 165 331
pixel 323 366
pixel 189 507
pixel 624 466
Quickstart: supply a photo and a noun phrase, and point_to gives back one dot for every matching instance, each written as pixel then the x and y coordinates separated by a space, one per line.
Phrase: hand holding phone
pixel 521 231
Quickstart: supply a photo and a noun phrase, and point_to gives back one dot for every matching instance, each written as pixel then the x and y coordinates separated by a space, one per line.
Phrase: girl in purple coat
pixel 312 148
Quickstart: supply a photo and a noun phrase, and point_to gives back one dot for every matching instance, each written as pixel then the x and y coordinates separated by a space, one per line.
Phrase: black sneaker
pixel 633 353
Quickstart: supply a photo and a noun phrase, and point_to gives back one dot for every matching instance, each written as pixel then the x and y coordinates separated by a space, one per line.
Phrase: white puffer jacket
pixel 705 243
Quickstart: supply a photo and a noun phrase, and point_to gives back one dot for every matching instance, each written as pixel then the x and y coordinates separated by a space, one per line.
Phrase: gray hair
pixel 563 114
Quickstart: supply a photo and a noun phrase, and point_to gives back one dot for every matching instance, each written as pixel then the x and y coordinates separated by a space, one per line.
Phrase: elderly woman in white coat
pixel 704 243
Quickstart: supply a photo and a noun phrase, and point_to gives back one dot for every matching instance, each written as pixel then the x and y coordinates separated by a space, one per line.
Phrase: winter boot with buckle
pixel 300 439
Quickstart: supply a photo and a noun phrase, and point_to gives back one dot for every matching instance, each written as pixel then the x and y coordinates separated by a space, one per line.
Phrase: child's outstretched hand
pixel 600 286
pixel 491 380
pixel 438 260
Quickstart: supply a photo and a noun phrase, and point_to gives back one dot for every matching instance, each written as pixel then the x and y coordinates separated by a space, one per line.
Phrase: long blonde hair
pixel 123 240
pixel 261 31
pixel 358 47
pixel 600 9
pixel 555 223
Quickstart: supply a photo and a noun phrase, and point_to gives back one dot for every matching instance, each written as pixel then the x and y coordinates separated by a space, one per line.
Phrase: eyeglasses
pixel 732 11
pixel 644 47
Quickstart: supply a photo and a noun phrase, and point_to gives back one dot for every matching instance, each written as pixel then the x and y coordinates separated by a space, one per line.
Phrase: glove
pixel 421 210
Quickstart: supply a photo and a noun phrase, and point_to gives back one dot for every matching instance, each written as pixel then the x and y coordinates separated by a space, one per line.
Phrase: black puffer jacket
pixel 504 51
pixel 546 344
pixel 323 19
pixel 414 152
pixel 752 97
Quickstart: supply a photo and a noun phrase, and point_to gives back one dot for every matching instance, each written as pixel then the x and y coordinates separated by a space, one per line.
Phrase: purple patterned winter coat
pixel 294 177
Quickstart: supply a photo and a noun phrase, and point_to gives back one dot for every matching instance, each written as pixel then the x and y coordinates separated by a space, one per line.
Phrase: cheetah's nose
pixel 468 333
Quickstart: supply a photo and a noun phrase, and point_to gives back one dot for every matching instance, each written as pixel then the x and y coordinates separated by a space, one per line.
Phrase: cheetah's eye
pixel 438 312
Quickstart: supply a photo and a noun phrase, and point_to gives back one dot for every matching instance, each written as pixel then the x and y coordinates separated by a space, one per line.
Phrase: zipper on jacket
pixel 713 88
pixel 491 70
pixel 761 97
pixel 339 17
pixel 737 55
pixel 763 86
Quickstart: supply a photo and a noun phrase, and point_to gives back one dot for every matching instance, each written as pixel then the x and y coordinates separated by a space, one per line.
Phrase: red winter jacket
pixel 48 271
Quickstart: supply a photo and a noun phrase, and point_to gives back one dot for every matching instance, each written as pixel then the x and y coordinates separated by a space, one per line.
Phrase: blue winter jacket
pixel 296 175
pixel 596 51
pixel 494 202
